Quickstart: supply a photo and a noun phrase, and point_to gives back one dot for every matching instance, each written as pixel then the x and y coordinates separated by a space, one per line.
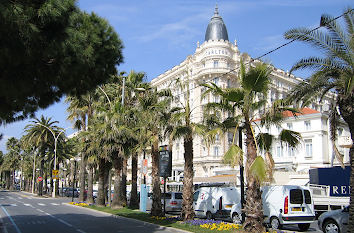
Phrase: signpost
pixel 165 169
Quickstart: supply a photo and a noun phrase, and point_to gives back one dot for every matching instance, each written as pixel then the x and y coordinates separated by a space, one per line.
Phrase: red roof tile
pixel 304 111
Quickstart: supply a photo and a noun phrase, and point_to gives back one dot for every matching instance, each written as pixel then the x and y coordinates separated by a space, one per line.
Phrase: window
pixel 307 196
pixel 230 137
pixel 204 151
pixel 308 147
pixel 289 126
pixel 216 64
pixel 216 81
pixel 216 151
pixel 279 151
pixel 307 125
pixel 228 85
pixel 340 131
pixel 296 196
pixel 291 152
pixel 195 196
pixel 217 138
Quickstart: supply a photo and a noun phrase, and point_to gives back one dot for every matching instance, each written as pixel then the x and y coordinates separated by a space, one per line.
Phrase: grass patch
pixel 146 217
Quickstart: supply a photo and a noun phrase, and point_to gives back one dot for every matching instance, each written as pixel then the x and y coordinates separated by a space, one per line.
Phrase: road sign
pixel 145 167
pixel 55 174
pixel 39 179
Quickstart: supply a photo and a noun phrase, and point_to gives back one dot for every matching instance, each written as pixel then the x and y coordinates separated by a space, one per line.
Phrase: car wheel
pixel 330 226
pixel 208 215
pixel 274 223
pixel 304 226
pixel 236 218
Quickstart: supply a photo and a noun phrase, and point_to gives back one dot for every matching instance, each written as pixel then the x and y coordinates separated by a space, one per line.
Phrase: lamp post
pixel 55 152
pixel 73 186
pixel 241 177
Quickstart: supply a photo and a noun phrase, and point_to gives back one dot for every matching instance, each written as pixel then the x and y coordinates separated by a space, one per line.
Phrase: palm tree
pixel 152 105
pixel 39 136
pixel 184 127
pixel 81 111
pixel 332 72
pixel 244 103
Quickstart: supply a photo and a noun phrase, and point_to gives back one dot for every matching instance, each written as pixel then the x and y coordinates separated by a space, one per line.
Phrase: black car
pixel 69 192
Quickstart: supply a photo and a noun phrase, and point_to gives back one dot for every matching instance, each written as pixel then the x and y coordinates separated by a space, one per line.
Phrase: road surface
pixel 25 213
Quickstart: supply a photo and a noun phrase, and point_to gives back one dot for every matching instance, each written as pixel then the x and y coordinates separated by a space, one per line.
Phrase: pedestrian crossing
pixel 31 205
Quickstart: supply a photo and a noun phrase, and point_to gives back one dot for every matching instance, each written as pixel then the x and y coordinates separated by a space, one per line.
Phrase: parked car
pixel 288 204
pixel 69 192
pixel 173 201
pixel 218 202
pixel 334 221
pixel 94 194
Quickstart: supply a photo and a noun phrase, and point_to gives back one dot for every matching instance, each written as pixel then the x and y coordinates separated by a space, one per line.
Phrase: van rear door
pixel 300 203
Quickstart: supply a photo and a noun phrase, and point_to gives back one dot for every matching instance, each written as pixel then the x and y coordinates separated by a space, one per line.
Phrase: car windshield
pixel 178 196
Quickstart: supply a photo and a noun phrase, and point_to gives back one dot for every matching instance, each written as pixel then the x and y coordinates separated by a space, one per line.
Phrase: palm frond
pixel 290 138
pixel 264 141
pixel 258 169
pixel 233 156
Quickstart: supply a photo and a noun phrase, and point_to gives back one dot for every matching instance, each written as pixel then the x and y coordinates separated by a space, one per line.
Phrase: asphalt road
pixel 25 213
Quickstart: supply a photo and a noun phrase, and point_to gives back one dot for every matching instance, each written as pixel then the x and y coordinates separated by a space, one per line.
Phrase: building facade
pixel 217 60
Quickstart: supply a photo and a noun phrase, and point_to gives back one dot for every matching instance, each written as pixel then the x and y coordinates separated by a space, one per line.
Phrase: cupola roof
pixel 216 28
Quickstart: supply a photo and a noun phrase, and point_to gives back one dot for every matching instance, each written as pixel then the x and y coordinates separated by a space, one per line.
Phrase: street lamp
pixel 75 160
pixel 55 152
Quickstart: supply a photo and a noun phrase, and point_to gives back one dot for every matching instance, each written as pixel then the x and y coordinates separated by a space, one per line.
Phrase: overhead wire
pixel 273 50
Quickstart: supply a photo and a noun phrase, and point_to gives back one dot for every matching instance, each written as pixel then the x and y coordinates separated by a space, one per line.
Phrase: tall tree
pixel 244 102
pixel 50 49
pixel 334 71
pixel 186 128
pixel 80 111
pixel 39 136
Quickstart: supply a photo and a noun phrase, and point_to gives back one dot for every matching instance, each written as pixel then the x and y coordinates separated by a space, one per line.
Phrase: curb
pixel 132 219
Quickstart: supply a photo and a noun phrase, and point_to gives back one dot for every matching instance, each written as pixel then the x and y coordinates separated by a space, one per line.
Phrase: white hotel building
pixel 218 60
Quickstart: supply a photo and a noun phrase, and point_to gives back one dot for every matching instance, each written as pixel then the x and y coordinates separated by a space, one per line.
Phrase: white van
pixel 288 204
pixel 217 202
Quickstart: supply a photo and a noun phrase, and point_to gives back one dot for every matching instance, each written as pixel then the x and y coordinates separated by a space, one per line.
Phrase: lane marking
pixel 41 204
pixel 20 198
pixel 81 231
pixel 13 205
pixel 54 203
pixel 40 210
pixel 12 221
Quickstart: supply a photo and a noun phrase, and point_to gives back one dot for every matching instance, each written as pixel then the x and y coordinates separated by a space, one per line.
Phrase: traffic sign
pixel 145 167
pixel 55 174
pixel 39 179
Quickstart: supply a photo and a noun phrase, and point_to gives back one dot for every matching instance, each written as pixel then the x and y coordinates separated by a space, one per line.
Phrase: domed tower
pixel 216 28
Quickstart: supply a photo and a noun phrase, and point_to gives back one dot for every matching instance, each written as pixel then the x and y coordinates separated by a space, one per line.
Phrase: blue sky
pixel 159 34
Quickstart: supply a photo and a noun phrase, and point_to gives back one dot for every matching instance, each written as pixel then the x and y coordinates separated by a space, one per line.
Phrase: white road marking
pixel 40 210
pixel 54 203
pixel 2 198
pixel 29 205
pixel 41 204
pixel 81 231
pixel 20 198
pixel 13 204
pixel 12 221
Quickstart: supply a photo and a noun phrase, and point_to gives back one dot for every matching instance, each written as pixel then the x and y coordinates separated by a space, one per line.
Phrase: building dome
pixel 216 28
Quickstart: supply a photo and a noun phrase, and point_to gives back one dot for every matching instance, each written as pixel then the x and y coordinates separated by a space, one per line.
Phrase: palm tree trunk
pixel 40 184
pixel 101 179
pixel 106 180
pixel 117 164
pixel 187 204
pixel 8 179
pixel 82 178
pixel 156 209
pixel 253 206
pixel 123 196
pixel 134 201
pixel 346 108
pixel 90 186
